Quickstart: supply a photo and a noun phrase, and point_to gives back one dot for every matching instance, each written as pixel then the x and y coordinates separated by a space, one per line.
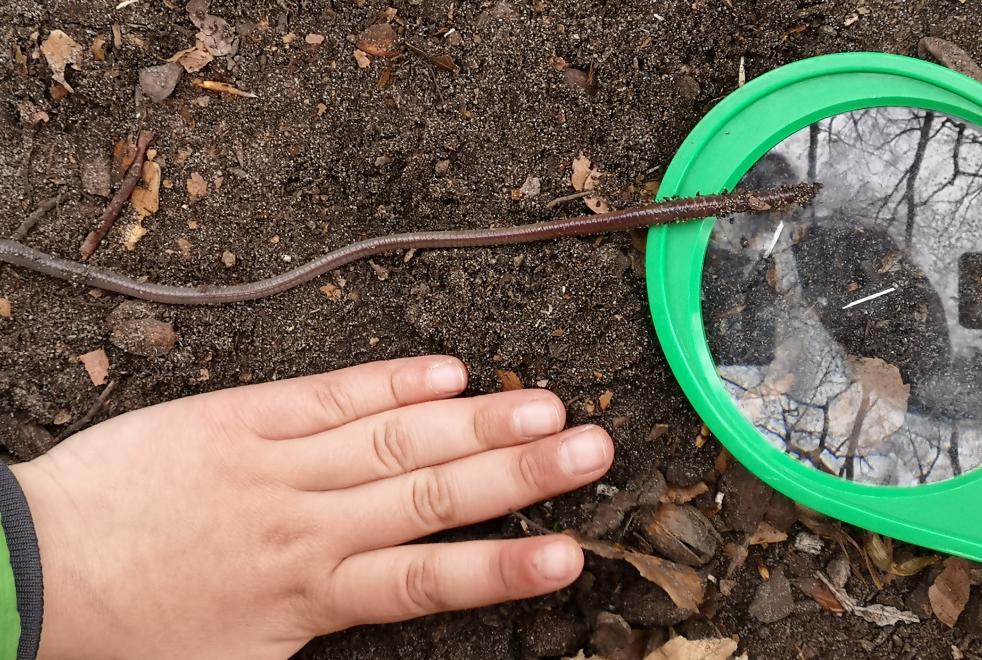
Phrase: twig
pixel 93 410
pixel 36 215
pixel 119 200
pixel 569 198
pixel 530 525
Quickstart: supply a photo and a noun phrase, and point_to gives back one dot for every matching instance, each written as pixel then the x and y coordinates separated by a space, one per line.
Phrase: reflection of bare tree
pixel 895 214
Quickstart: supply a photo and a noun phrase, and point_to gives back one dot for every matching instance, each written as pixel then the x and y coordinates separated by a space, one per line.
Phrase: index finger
pixel 303 406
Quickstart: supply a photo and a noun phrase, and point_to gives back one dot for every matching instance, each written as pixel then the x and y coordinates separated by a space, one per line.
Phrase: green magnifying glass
pixel 836 350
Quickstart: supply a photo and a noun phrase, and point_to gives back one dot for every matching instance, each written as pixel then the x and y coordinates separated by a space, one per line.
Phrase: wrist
pixel 21 582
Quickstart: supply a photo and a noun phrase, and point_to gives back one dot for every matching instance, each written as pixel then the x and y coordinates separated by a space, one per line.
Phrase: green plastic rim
pixel 714 157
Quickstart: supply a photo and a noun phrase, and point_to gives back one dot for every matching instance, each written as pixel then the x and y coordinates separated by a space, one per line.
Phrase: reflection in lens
pixel 850 331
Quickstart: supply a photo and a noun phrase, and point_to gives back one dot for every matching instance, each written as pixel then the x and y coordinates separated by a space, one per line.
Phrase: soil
pixel 297 180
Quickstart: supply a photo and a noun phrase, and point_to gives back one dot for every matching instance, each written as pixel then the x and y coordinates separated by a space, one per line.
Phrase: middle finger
pixel 475 488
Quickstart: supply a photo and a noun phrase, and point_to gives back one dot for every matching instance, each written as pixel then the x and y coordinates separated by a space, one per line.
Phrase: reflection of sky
pixel 808 400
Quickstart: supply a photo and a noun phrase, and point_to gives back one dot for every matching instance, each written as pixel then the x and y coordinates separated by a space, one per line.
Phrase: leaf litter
pixel 682 583
pixel 60 51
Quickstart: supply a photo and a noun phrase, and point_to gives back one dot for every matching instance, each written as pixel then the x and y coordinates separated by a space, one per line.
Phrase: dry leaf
pixel 96 363
pixel 509 380
pixel 197 188
pixel 586 177
pixel 880 551
pixel 217 35
pixel 378 40
pixel 605 400
pixel 224 88
pixel 680 648
pixel 817 591
pixel 766 533
pixel 60 50
pixel 881 615
pixel 5 310
pixel 873 408
pixel 364 61
pixel 682 584
pixel 193 59
pixel 950 591
pixel 913 566
pixel 582 168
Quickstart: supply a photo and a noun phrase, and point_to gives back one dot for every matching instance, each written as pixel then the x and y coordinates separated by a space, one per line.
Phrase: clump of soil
pixel 491 96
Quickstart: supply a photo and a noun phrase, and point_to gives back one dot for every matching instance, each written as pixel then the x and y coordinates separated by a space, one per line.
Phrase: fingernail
pixel 447 378
pixel 584 452
pixel 537 418
pixel 556 561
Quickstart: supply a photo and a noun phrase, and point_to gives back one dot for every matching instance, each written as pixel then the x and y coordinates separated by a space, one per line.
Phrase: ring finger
pixel 475 488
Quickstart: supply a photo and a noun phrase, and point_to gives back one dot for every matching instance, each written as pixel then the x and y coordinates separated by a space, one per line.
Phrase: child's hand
pixel 239 524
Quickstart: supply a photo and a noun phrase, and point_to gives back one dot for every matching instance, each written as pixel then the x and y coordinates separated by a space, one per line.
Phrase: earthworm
pixel 658 213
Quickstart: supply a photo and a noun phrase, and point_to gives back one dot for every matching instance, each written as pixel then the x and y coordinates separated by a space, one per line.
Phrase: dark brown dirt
pixel 572 312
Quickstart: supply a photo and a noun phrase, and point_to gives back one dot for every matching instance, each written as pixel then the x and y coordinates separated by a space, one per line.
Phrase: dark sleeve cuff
pixel 25 560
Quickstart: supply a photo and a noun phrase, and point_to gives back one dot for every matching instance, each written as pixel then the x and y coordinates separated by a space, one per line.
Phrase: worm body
pixel 658 213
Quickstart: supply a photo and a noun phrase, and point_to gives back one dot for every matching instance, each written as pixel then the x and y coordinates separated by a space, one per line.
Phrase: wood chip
pixel 197 188
pixel 5 310
pixel 379 40
pixel 605 400
pixel 362 58
pixel 224 88
pixel 96 363
pixel 228 259
pixel 98 48
pixel 314 39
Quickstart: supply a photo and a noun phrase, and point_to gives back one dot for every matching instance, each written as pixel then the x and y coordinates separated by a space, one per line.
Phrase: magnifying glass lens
pixel 850 331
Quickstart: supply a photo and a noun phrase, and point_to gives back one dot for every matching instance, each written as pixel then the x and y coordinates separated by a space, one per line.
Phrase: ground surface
pixel 372 160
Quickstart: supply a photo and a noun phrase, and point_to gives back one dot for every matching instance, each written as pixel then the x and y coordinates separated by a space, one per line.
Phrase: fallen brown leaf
pixel 818 592
pixel 682 584
pixel 96 363
pixel 60 50
pixel 605 400
pixel 124 152
pixel 680 648
pixel 949 593
pixel 765 533
pixel 509 380
pixel 193 59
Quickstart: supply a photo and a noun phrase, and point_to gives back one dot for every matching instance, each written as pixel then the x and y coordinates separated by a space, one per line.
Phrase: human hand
pixel 244 522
